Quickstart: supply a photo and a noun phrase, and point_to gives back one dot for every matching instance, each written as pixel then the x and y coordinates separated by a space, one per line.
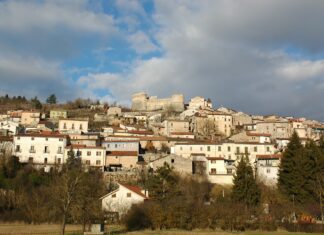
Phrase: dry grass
pixel 19 228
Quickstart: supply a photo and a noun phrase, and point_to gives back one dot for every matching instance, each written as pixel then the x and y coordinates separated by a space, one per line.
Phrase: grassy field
pixel 52 229
pixel 46 229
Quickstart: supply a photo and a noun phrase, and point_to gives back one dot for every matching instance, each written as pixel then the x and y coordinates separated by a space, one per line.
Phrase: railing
pixel 59 152
pixel 46 151
pixel 32 150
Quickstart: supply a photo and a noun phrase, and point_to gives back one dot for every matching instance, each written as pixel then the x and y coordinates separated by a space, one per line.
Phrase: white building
pixel 40 148
pixel 10 126
pixel 73 125
pixel 93 156
pixel 267 168
pixel 122 199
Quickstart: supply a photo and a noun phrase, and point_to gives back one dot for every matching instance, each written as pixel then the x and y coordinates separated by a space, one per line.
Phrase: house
pixel 121 159
pixel 10 127
pixel 114 111
pixel 92 156
pixel 57 114
pixel 247 136
pixel 6 145
pixel 172 125
pixel 179 164
pixel 121 200
pixel 267 168
pixel 73 125
pixel 220 170
pixel 199 103
pixel 30 118
pixel 240 119
pixel 45 148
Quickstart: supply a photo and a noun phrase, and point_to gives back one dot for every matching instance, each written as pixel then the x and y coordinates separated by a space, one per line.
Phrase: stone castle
pixel 141 102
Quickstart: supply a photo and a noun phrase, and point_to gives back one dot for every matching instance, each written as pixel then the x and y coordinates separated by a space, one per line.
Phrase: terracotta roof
pixel 182 133
pixel 198 154
pixel 135 189
pixel 6 138
pixel 215 158
pixel 269 156
pixel 122 153
pixel 141 132
pixel 257 134
pixel 83 146
pixel 43 134
pixel 153 138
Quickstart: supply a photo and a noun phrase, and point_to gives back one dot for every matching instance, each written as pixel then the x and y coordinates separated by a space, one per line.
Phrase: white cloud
pixel 141 43
pixel 299 70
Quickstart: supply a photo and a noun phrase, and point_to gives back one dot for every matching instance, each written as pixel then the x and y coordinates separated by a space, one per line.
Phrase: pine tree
pixel 51 99
pixel 245 188
pixel 288 173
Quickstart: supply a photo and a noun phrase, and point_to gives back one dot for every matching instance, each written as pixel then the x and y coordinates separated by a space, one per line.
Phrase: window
pixel 18 138
pixel 45 160
pixel 46 139
pixel 268 149
pixel 87 162
pixel 88 153
pixel 79 153
pixel 64 126
pixel 255 149
pixel 181 148
pixel 201 149
pixel 219 148
pixel 32 138
pixel 72 126
pixel 237 149
pixel 59 160
pixel 60 139
pixel 229 171
pixel 172 160
pixel 81 127
pixel 129 194
pixel 98 162
pixel 213 161
pixel 114 195
pixel 46 149
pixel 59 150
pixel 268 170
pixel 213 171
pixel 229 148
pixel 115 145
pixel 268 162
pixel 98 153
pixel 30 160
pixel 190 148
pixel 18 148
pixel 229 157
pixel 208 148
pixel 32 149
pixel 246 149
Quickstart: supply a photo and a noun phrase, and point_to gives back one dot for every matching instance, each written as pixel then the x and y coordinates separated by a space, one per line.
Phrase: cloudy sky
pixel 256 56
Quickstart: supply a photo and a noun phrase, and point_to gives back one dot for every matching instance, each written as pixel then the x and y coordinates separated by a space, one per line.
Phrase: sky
pixel 257 56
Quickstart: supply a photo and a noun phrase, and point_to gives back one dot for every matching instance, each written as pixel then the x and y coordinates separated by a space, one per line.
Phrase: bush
pixel 136 218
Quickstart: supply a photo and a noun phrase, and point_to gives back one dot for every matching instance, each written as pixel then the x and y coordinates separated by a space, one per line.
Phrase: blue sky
pixel 256 56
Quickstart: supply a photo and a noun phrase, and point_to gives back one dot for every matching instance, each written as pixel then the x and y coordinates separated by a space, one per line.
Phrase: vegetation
pixel 67 195
pixel 51 99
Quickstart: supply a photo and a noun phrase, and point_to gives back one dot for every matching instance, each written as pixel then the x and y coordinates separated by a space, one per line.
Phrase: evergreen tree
pixel 51 99
pixel 36 103
pixel 288 173
pixel 245 188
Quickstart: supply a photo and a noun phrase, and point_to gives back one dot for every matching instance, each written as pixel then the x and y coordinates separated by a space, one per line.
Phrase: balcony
pixel 32 150
pixel 59 152
pixel 18 150
pixel 46 151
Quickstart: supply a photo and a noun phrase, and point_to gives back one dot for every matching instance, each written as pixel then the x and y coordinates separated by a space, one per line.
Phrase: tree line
pixel 193 203
pixel 67 195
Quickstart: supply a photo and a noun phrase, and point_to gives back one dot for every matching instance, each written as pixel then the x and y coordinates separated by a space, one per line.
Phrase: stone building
pixel 141 102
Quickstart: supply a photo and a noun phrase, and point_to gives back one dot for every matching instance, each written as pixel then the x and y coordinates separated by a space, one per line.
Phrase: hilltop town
pixel 194 139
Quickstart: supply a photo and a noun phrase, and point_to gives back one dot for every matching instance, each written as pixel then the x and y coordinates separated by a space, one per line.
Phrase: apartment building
pixel 40 148
pixel 172 125
pixel 57 114
pixel 92 156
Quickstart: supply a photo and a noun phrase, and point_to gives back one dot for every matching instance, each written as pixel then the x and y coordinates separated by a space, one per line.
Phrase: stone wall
pixel 141 102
